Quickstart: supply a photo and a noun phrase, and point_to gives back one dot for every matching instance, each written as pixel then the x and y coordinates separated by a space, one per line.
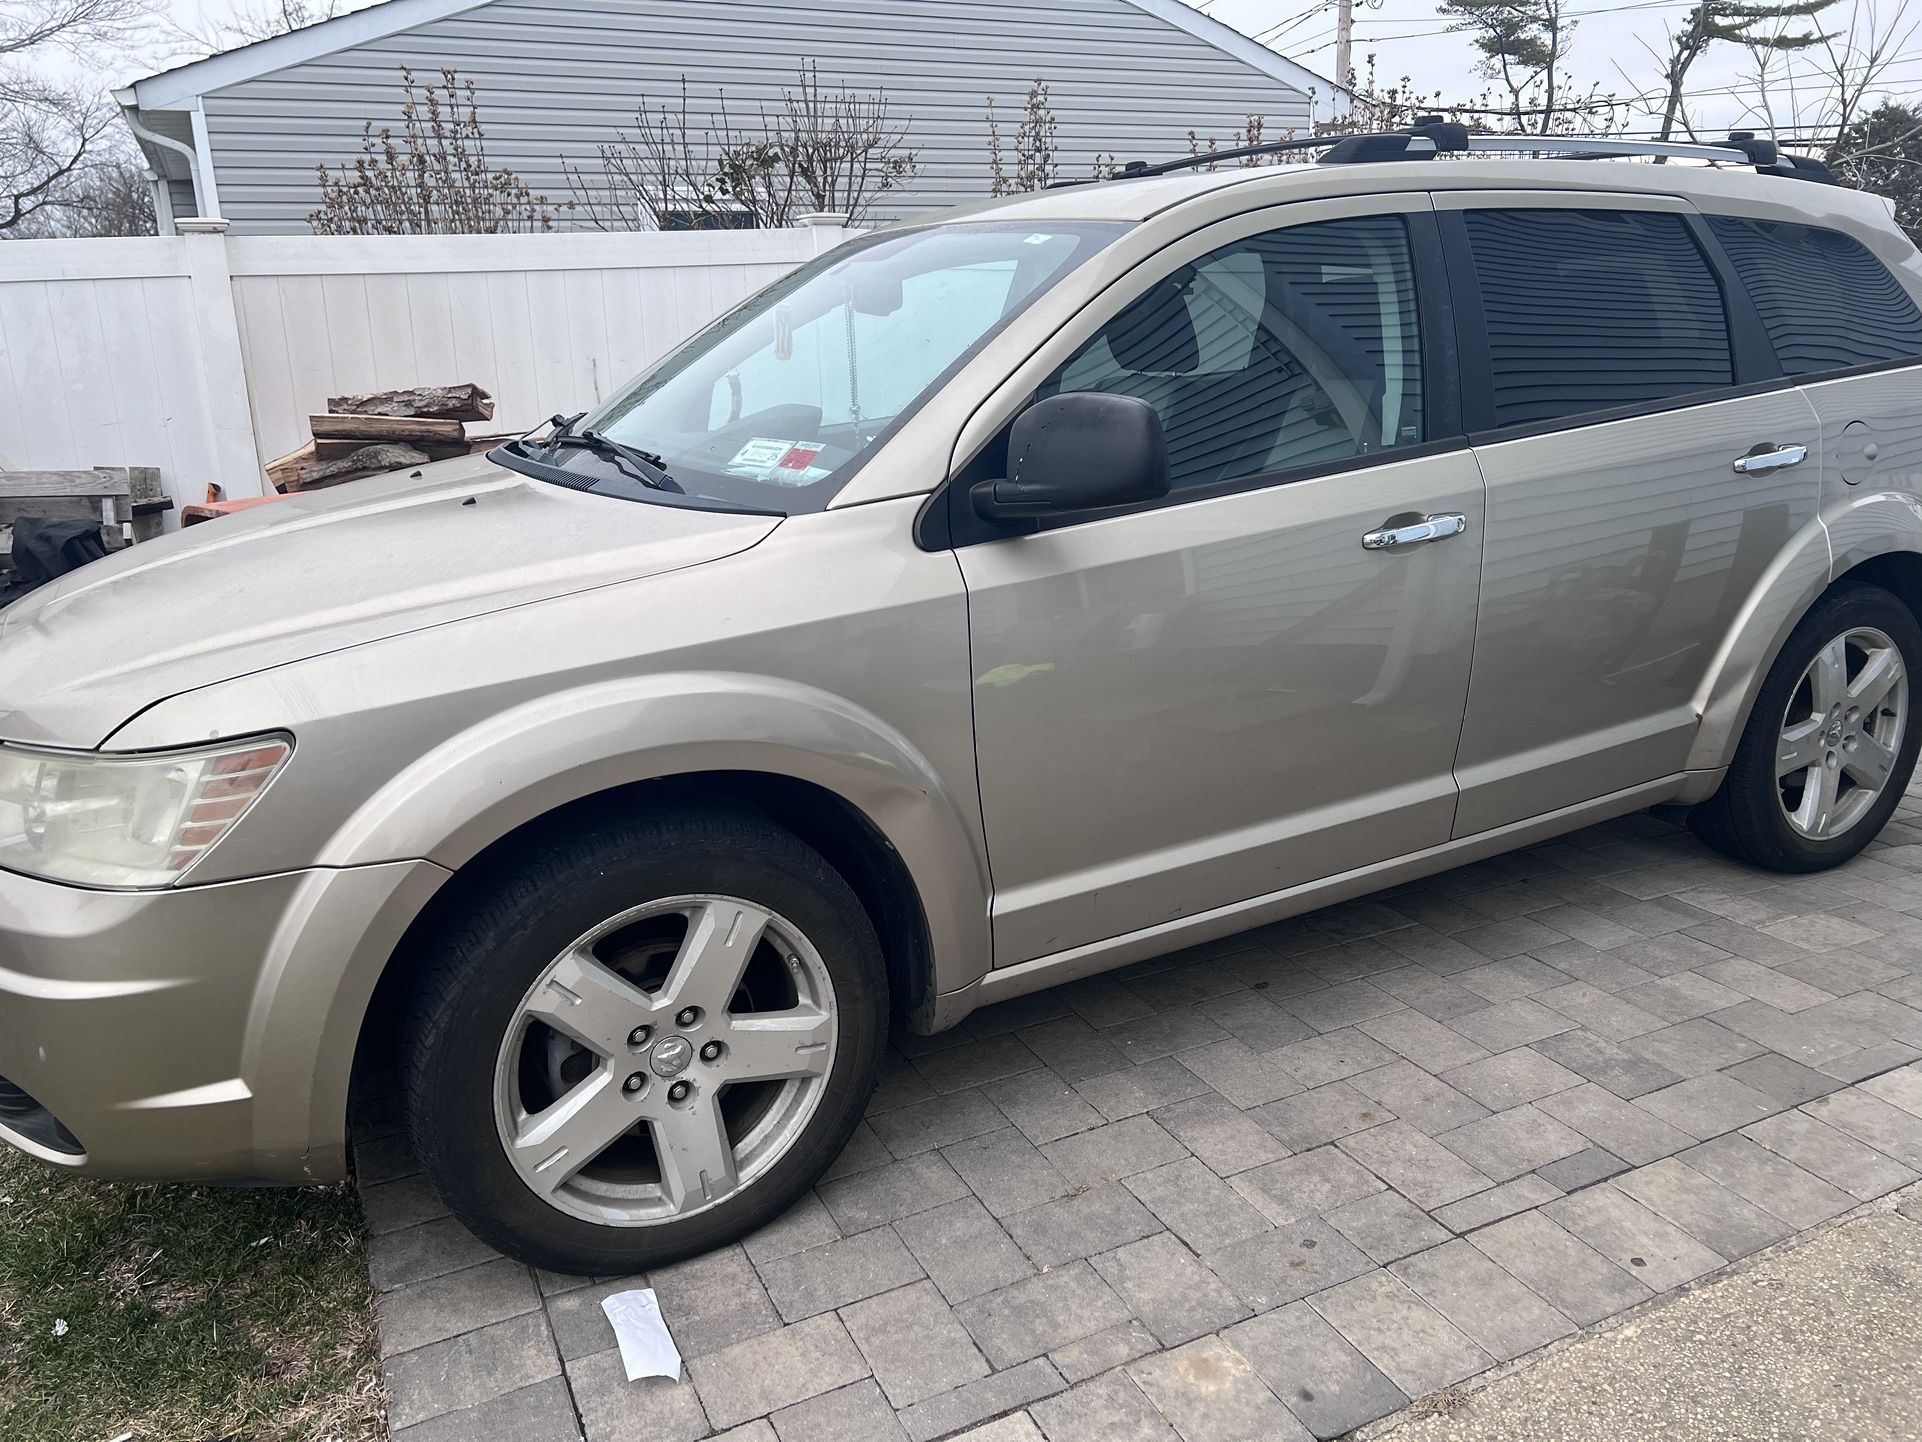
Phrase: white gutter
pixel 131 114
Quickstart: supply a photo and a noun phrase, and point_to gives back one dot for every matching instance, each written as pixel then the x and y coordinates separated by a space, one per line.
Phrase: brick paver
pixel 1278 1185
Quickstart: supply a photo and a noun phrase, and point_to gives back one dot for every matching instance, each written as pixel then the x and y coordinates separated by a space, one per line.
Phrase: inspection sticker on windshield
pixel 779 463
pixel 760 453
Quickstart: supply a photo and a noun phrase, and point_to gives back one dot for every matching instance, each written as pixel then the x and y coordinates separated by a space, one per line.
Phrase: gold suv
pixel 989 603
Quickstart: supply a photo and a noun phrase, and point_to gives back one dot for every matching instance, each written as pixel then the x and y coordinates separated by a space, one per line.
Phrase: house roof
pixel 180 87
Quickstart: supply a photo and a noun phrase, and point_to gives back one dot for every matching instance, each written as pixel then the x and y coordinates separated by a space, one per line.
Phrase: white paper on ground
pixel 646 1348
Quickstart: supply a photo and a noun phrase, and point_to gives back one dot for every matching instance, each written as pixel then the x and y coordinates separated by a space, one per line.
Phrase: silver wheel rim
pixel 1842 733
pixel 665 1060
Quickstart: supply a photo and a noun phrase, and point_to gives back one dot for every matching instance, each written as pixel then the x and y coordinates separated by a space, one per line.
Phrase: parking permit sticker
pixel 798 458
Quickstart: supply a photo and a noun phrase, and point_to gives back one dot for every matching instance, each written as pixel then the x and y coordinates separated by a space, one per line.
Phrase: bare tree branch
pixel 54 134
pixel 76 26
pixel 250 23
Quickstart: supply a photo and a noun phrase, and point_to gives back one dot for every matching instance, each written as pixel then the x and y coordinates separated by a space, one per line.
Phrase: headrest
pixel 1156 333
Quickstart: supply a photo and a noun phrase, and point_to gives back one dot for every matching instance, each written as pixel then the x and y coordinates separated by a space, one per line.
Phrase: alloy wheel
pixel 1842 733
pixel 665 1060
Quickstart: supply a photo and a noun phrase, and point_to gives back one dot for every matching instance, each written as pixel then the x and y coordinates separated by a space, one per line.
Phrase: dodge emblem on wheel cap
pixel 672 1056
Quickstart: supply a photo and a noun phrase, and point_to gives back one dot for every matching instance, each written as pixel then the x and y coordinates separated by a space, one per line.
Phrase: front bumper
pixel 204 1033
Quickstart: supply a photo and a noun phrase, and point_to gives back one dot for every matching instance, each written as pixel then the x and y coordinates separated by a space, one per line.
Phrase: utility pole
pixel 1344 39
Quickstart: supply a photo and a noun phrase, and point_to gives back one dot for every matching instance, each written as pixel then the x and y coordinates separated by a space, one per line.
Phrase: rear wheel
pixel 1831 743
pixel 646 1042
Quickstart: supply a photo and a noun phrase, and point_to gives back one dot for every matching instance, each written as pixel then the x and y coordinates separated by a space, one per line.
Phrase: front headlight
pixel 126 820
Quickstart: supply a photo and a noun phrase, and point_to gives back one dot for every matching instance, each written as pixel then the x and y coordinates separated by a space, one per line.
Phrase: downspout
pixel 207 188
pixel 131 115
pixel 163 203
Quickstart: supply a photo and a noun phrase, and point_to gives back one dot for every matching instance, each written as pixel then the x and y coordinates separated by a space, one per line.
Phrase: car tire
pixel 1767 816
pixel 586 986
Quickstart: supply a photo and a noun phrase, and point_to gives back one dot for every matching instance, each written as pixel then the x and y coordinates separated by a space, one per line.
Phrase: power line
pixel 1275 32
pixel 1456 29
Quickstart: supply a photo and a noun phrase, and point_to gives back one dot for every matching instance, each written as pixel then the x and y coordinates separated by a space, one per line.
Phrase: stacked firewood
pixel 368 435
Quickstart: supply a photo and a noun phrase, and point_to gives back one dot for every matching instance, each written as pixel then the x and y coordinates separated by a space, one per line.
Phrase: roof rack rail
pixel 1741 147
pixel 1140 169
pixel 1431 135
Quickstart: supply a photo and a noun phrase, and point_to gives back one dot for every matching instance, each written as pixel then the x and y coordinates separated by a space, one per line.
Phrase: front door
pixel 1249 686
pixel 1622 543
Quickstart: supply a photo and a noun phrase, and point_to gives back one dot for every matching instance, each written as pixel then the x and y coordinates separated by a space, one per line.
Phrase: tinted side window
pixel 1588 310
pixel 1289 349
pixel 1826 301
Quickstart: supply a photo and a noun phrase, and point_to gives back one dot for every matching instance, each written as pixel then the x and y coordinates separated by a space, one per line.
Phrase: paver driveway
pixel 1271 1187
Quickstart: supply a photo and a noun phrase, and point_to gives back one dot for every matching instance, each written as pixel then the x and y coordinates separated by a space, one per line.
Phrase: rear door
pixel 1614 373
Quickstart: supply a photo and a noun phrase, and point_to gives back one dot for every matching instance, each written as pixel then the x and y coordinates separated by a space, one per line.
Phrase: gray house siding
pixel 558 77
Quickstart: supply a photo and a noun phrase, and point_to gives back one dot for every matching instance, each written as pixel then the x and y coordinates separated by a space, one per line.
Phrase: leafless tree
pixel 1850 69
pixel 112 197
pixel 54 132
pixel 251 22
pixel 1773 26
pixel 819 150
pixel 662 175
pixel 1034 162
pixel 433 178
pixel 837 151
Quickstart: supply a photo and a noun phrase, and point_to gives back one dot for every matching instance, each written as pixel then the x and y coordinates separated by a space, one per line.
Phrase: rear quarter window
pixel 1826 302
pixel 1595 311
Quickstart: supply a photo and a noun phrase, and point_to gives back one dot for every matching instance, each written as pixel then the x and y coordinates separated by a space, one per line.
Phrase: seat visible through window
pixel 1286 350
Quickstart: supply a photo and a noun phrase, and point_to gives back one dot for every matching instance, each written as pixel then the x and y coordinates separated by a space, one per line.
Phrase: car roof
pixel 1711 186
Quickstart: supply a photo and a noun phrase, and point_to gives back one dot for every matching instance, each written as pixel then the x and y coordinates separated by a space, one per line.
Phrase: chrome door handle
pixel 1429 528
pixel 1764 459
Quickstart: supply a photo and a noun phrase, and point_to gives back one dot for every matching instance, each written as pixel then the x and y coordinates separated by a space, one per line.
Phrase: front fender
pixel 480 784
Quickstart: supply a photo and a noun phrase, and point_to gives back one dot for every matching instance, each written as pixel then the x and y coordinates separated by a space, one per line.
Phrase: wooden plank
pixel 284 474
pixel 386 428
pixel 302 471
pixel 464 402
pixel 332 448
pixel 145 486
pixel 31 485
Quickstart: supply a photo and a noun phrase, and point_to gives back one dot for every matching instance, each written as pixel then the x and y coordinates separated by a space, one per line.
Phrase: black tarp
pixel 44 549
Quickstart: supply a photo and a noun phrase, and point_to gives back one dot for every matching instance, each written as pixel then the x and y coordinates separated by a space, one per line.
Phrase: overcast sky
pixel 1611 47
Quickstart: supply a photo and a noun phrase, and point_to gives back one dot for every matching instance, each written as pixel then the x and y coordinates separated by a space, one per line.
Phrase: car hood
pixel 317 572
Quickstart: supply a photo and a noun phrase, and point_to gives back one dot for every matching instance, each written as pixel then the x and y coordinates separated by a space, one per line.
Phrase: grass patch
pixel 182 1314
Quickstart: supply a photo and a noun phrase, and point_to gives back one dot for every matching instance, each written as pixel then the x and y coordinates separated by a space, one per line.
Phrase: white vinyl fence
pixel 205 354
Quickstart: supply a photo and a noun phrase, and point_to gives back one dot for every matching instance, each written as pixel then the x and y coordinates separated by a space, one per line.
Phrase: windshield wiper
pixel 629 459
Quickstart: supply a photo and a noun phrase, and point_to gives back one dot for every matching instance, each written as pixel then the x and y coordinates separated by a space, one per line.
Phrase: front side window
pixel 1295 348
pixel 1593 310
pixel 775 404
pixel 1826 302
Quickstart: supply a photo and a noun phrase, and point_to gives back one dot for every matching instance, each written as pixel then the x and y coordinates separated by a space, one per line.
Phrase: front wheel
pixel 649 1040
pixel 1831 743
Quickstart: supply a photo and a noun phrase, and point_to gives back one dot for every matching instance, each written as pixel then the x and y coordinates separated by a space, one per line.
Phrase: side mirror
pixel 1083 451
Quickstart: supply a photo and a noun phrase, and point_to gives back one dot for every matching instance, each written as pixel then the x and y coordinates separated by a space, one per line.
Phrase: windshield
pixel 775 405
